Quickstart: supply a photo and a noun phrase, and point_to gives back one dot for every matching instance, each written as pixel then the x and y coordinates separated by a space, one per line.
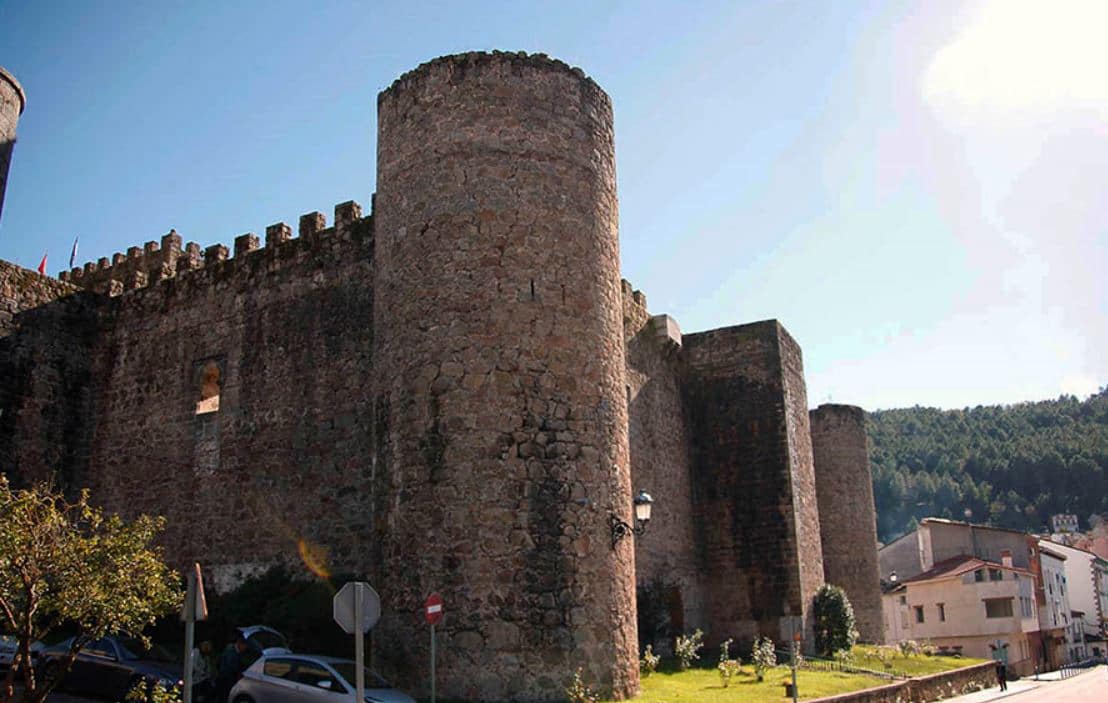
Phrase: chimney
pixel 1006 557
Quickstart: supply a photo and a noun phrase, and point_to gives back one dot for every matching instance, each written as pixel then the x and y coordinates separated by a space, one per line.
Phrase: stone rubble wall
pixel 669 594
pixel 280 472
pixel 923 689
pixel 48 330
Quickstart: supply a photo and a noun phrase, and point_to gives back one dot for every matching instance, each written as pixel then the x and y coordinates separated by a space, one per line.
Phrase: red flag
pixel 42 266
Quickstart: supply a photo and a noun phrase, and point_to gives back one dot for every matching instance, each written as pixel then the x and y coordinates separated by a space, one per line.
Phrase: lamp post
pixel 620 529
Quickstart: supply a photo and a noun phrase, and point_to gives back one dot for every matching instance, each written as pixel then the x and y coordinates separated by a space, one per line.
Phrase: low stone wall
pixel 924 688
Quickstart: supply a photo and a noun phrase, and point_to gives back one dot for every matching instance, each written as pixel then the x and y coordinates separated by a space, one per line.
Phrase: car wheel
pixel 243 698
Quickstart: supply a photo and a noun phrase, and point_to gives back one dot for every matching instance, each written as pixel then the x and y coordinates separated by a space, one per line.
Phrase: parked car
pixel 8 647
pixel 111 666
pixel 303 678
pixel 264 640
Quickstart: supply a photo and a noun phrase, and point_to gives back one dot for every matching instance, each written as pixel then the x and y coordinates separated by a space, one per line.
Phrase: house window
pixel 998 607
pixel 996 575
pixel 979 575
pixel 919 612
pixel 942 612
pixel 904 600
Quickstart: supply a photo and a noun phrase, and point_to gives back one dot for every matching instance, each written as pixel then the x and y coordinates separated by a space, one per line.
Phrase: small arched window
pixel 210 385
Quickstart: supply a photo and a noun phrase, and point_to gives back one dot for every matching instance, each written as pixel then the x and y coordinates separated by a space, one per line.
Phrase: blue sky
pixel 916 190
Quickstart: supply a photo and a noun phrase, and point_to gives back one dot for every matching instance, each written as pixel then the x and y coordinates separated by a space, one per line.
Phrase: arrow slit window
pixel 208 379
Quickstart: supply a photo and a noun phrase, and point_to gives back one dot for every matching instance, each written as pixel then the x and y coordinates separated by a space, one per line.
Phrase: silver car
pixel 304 678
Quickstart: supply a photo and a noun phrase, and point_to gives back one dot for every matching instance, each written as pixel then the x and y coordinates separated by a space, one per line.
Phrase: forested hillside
pixel 1009 466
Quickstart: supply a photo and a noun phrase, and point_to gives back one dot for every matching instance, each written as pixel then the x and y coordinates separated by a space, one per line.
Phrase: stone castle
pixel 453 393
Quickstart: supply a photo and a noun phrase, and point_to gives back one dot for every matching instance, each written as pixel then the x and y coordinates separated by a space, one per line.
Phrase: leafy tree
pixel 1011 466
pixel 834 620
pixel 64 562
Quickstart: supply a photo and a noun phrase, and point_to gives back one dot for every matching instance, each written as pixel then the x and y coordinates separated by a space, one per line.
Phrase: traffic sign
pixel 347 601
pixel 432 609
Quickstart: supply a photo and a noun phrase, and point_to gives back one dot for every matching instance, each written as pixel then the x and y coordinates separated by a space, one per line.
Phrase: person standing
pixel 1000 656
pixel 203 673
pixel 230 667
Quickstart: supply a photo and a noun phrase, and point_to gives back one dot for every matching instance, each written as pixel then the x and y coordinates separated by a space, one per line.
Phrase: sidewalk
pixel 995 694
pixel 1015 687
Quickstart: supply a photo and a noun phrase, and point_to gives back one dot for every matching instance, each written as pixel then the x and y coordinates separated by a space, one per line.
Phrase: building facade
pixel 1055 638
pixel 456 393
pixel 1086 578
pixel 967 605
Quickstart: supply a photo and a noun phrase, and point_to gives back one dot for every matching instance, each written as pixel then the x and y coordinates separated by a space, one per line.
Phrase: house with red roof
pixel 968 605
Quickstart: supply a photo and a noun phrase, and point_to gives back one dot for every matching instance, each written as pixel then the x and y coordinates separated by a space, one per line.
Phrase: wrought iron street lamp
pixel 620 529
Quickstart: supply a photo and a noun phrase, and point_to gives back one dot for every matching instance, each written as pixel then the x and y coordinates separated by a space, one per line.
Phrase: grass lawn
pixel 915 665
pixel 704 686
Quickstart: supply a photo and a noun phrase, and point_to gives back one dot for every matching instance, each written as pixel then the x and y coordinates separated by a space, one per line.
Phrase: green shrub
pixel 649 661
pixel 687 649
pixel 909 648
pixel 764 656
pixel 579 692
pixel 834 620
pixel 727 666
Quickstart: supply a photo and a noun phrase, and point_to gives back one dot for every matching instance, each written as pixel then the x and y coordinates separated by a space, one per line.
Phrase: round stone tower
pixel 12 102
pixel 847 517
pixel 500 405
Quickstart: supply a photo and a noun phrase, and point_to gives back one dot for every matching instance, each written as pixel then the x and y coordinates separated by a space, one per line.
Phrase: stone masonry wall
pixel 501 403
pixel 848 527
pixel 277 469
pixel 806 512
pixel 753 491
pixel 670 598
pixel 47 332
pixel 12 101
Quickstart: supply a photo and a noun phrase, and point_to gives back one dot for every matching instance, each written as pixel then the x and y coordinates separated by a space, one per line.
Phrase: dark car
pixel 111 666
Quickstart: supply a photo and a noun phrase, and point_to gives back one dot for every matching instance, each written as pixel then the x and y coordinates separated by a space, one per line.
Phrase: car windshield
pixel 264 639
pixel 347 670
pixel 133 648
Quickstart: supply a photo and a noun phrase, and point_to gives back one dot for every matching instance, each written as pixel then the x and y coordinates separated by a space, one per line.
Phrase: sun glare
pixel 1025 55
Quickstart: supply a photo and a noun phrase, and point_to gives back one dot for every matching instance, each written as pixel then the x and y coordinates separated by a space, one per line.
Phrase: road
pixel 1084 688
pixel 1087 687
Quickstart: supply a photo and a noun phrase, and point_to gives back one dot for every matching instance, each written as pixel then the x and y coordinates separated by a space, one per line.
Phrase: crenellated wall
pixel 278 472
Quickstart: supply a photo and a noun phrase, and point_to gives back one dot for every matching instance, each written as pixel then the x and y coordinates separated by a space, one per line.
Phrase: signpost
pixel 432 610
pixel 357 608
pixel 195 608
pixel 795 649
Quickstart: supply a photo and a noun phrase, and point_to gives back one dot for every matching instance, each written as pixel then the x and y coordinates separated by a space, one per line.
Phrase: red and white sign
pixel 432 609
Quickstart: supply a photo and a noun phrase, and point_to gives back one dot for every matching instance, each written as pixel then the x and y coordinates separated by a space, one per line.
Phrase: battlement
pixel 154 262
pixel 462 63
